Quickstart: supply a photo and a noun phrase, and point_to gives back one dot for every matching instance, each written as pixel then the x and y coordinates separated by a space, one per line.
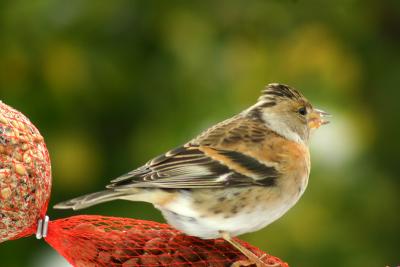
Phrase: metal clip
pixel 43 225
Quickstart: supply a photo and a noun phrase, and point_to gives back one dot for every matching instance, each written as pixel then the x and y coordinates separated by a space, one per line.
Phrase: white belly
pixel 181 215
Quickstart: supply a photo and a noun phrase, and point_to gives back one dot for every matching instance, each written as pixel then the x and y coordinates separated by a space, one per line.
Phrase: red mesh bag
pixel 25 175
pixel 89 241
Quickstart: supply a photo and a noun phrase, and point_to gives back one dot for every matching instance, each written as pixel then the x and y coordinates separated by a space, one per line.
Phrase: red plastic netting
pixel 25 183
pixel 108 241
pixel 25 174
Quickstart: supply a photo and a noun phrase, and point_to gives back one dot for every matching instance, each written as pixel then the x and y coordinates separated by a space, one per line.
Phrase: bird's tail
pixel 90 200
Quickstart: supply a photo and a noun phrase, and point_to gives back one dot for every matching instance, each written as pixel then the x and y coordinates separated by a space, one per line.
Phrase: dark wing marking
pixel 266 175
pixel 189 167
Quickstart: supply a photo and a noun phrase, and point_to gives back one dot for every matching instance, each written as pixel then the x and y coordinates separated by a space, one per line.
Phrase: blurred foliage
pixel 111 84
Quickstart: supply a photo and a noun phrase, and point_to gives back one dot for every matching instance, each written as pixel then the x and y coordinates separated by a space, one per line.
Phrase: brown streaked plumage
pixel 236 177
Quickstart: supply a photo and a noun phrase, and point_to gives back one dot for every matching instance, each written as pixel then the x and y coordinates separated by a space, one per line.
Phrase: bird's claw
pixel 258 263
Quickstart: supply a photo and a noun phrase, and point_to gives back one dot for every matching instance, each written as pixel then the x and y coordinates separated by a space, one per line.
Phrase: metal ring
pixel 42 228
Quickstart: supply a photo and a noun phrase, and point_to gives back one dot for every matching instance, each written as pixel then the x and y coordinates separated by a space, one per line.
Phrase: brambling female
pixel 236 177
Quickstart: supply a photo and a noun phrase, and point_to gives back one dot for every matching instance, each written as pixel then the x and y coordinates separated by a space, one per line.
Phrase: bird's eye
pixel 302 111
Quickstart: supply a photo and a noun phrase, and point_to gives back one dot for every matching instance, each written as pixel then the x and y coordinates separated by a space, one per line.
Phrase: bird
pixel 236 177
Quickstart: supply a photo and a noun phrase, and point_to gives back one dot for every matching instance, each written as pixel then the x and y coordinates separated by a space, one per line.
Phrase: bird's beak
pixel 317 118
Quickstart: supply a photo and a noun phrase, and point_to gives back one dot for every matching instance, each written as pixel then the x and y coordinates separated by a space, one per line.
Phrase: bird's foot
pixel 258 262
pixel 252 259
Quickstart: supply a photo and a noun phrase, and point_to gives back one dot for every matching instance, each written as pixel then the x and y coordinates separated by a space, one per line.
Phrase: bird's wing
pixel 190 167
pixel 205 162
pixel 249 130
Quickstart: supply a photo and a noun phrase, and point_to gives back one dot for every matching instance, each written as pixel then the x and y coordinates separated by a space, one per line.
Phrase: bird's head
pixel 287 112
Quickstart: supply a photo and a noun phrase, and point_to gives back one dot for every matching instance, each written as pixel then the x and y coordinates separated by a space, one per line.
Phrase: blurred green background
pixel 111 84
